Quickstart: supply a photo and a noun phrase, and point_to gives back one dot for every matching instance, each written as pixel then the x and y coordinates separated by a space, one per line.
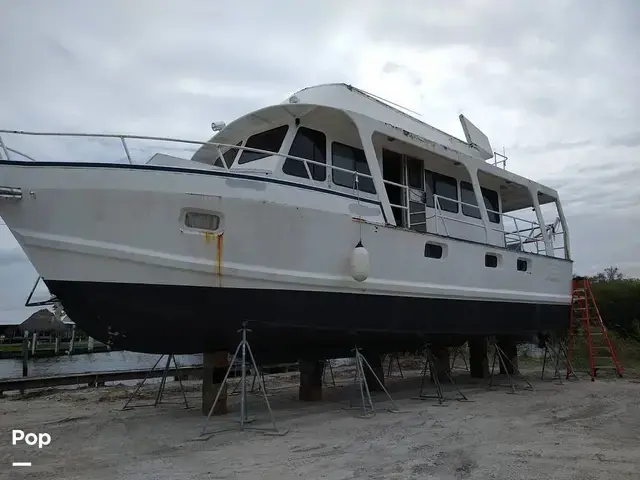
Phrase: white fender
pixel 360 263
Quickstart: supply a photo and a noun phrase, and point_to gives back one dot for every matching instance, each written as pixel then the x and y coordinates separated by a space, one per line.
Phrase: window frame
pixel 335 143
pixel 259 156
pixel 312 167
pixel 432 183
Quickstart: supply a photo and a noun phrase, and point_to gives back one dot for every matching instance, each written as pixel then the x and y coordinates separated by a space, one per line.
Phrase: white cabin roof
pixel 347 97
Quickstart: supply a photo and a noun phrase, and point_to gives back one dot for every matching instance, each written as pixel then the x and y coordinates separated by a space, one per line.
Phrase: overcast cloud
pixel 555 82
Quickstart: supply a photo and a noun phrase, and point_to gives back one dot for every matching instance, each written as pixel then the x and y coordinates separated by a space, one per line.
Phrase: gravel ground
pixel 579 430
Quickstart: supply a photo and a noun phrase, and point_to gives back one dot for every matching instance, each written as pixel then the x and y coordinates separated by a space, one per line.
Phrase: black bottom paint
pixel 287 325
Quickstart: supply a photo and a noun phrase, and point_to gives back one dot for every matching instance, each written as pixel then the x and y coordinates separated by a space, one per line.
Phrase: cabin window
pixel 490 260
pixel 310 144
pixel 490 198
pixel 202 221
pixel 467 195
pixel 491 202
pixel 432 250
pixel 415 167
pixel 271 140
pixel 354 159
pixel 229 156
pixel 443 186
pixel 522 265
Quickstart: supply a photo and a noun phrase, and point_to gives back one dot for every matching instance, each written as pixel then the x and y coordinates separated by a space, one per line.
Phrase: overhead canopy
pixel 514 196
pixel 246 126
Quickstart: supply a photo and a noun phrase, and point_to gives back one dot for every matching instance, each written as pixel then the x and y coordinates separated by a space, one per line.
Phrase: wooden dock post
pixel 73 337
pixel 25 356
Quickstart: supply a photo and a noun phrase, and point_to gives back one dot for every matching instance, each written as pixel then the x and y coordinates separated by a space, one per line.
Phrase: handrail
pixel 518 233
pixel 218 145
pixel 306 162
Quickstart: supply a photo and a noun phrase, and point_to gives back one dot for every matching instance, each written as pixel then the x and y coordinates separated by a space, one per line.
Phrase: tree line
pixel 618 299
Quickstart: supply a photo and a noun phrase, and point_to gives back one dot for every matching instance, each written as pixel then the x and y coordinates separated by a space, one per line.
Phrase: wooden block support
pixel 443 361
pixel 375 361
pixel 310 380
pixel 478 360
pixel 214 368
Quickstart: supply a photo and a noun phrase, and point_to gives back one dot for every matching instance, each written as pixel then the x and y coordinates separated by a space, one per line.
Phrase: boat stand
pixel 327 363
pixel 556 356
pixel 431 366
pixel 161 387
pixel 396 357
pixel 502 357
pixel 461 351
pixel 253 383
pixel 244 420
pixel 360 382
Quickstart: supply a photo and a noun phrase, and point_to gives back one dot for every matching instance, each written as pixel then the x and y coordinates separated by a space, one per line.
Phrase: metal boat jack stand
pixel 396 357
pixel 360 381
pixel 431 365
pixel 161 387
pixel 327 363
pixel 245 348
pixel 28 303
pixel 460 352
pixel 255 375
pixel 557 355
pixel 502 357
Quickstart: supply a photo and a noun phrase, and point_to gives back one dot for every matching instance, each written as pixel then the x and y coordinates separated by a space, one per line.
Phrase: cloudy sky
pixel 552 81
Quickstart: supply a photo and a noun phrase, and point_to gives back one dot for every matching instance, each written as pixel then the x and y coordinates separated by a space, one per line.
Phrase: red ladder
pixel 585 318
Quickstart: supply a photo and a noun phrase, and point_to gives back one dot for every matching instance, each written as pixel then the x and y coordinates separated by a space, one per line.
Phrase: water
pixel 88 363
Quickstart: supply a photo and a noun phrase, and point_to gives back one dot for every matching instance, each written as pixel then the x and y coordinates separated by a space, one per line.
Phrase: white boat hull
pixel 111 243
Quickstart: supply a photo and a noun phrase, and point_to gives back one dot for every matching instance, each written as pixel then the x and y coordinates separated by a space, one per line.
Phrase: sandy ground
pixel 580 430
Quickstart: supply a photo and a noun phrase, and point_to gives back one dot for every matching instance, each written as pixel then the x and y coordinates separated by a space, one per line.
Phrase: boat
pixel 331 219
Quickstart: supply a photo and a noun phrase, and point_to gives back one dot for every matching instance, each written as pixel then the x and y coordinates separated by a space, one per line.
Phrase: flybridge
pixel 347 97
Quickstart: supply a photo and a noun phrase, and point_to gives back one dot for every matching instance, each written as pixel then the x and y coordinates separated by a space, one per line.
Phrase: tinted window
pixel 310 144
pixel 491 202
pixel 415 168
pixel 490 261
pixel 353 159
pixel 270 140
pixel 522 265
pixel 444 186
pixel 229 156
pixel 468 196
pixel 432 250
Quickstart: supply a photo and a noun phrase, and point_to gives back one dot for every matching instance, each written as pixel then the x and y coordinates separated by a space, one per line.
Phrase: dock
pixel 100 378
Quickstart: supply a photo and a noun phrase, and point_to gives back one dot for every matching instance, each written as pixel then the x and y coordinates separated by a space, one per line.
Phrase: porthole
pixel 490 260
pixel 433 250
pixel 523 265
pixel 202 221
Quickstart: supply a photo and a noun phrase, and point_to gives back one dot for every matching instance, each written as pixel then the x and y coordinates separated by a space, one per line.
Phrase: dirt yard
pixel 580 430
